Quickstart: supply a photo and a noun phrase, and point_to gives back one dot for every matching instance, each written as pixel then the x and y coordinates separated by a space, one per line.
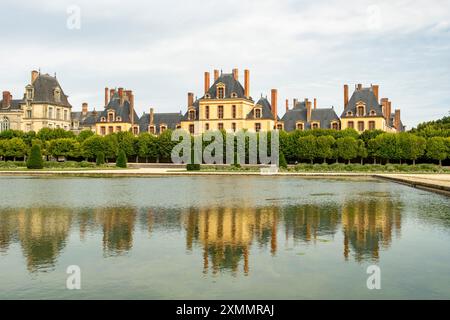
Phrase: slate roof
pixel 122 111
pixel 169 119
pixel 44 87
pixel 266 109
pixel 185 117
pixel 367 96
pixel 89 119
pixel 231 86
pixel 322 115
pixel 13 106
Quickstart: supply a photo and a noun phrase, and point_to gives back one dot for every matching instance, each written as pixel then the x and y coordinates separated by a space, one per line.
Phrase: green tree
pixel 347 148
pixel 282 161
pixel 411 147
pixel 111 146
pixel 325 147
pixel 100 159
pixel 92 146
pixel 361 152
pixel 83 135
pixel 437 149
pixel 3 149
pixel 64 147
pixel 165 145
pixel 388 146
pixel 126 142
pixel 121 160
pixel 147 146
pixel 373 149
pixel 35 161
pixel 16 148
pixel 306 148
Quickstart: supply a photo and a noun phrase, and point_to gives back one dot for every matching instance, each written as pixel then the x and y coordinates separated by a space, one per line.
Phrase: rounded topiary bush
pixel 121 160
pixel 282 161
pixel 35 161
pixel 100 159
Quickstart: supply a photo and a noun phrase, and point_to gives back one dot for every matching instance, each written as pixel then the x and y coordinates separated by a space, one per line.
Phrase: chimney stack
pixel 84 108
pixel 295 102
pixel 359 86
pixel 375 89
pixel 216 74
pixel 397 120
pixel 236 74
pixel 308 110
pixel 315 103
pixel 151 120
pixel 274 103
pixel 384 107
pixel 190 99
pixel 6 99
pixel 247 83
pixel 121 95
pixel 389 104
pixel 345 95
pixel 207 84
pixel 106 96
pixel 131 107
pixel 34 75
pixel 287 105
pixel 112 92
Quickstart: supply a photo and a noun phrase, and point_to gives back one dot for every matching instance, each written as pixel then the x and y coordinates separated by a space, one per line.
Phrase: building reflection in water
pixel 225 236
pixel 368 226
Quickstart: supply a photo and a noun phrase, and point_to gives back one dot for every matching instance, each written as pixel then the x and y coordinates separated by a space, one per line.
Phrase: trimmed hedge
pixel 35 159
pixel 121 160
pixel 193 167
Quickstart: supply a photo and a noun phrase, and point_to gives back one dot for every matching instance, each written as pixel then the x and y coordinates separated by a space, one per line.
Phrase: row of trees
pixel 315 145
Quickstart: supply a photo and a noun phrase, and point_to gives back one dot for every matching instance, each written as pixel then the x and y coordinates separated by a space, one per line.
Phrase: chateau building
pixel 364 111
pixel 225 105
pixel 44 105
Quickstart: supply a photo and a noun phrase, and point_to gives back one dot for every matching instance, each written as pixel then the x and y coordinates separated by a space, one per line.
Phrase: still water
pixel 221 238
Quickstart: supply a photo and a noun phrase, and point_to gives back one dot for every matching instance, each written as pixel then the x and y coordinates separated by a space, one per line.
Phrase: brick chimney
pixel 207 83
pixel 152 117
pixel 247 83
pixel 111 93
pixel 106 96
pixel 384 107
pixel 359 86
pixel 397 120
pixel 131 97
pixel 236 74
pixel 216 74
pixel 345 95
pixel 190 101
pixel 389 109
pixel 274 104
pixel 308 110
pixel 121 95
pixel 295 102
pixel 287 105
pixel 7 97
pixel 375 90
pixel 315 103
pixel 84 108
pixel 34 75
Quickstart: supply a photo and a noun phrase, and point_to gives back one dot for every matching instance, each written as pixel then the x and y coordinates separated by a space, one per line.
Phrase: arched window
pixel 299 126
pixel 234 95
pixel 373 113
pixel 4 124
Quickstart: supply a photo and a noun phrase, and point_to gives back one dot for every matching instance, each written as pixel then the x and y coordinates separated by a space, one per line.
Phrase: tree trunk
pixel 337 160
pixel 312 161
pixel 414 162
pixel 146 159
pixel 440 163
pixel 137 159
pixel 324 160
pixel 348 161
pixel 362 161
pixel 374 160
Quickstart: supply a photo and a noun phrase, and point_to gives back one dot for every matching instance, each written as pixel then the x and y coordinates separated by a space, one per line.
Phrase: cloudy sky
pixel 160 49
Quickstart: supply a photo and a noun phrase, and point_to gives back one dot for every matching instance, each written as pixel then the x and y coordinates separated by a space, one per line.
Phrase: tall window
pixel 50 113
pixel 206 126
pixel 360 125
pixel 118 128
pixel 110 129
pixel 29 114
pixel 151 129
pixel 257 113
pixel 58 114
pixel 220 112
pixel 4 124
pixel 220 126
pixel 299 126
pixel 233 112
pixel 220 92
pixel 371 125
pixel 102 131
pixel 233 126
pixel 360 111
pixel 207 112
pixel 192 115
pixel 257 127
pixel 191 129
pixel 30 94
pixel 335 126
pixel 65 115
pixel 351 125
pixel 110 117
